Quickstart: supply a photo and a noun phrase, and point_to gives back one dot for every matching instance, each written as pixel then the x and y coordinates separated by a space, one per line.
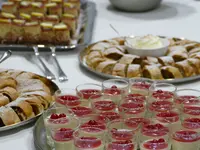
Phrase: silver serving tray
pixel 82 61
pixel 39 135
pixel 84 33
pixel 53 88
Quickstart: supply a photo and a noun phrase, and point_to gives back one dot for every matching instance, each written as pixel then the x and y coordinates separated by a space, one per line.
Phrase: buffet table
pixel 173 18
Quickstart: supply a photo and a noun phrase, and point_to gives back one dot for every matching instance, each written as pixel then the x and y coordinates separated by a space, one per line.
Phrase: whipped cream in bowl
pixel 148 45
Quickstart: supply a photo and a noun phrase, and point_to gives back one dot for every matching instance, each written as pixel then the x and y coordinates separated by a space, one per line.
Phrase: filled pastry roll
pixel 111 41
pixel 36 105
pixel 150 59
pixel 130 59
pixel 7 81
pixel 148 63
pixel 195 55
pixel 94 62
pixel 185 68
pixel 119 70
pixel 120 40
pixel 194 50
pixel 22 108
pixel 166 60
pixel 170 72
pixel 134 70
pixel 4 100
pixel 191 46
pixel 106 66
pixel 8 116
pixel 10 92
pixel 178 53
pixel 113 53
pixel 31 85
pixel 195 63
pixel 93 54
pixel 152 72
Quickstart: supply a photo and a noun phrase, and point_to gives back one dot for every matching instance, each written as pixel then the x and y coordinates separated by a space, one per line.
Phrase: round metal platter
pixel 83 63
pixel 53 87
pixel 39 135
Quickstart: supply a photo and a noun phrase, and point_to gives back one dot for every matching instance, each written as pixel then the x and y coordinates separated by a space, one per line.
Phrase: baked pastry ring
pixel 8 116
pixel 185 68
pixel 134 70
pixel 170 72
pixel 152 72
pixel 119 70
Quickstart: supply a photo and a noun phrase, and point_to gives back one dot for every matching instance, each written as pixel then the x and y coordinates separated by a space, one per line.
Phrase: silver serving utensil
pixel 61 75
pixel 5 56
pixel 47 72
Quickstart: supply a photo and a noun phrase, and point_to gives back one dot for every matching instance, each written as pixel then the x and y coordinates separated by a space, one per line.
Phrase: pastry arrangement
pixel 23 95
pixel 140 114
pixel 40 22
pixel 113 57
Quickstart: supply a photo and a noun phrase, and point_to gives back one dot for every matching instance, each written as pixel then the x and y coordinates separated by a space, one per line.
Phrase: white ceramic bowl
pixel 156 52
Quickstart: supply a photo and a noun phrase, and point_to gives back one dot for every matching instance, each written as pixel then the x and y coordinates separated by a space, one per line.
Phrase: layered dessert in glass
pixel 155 144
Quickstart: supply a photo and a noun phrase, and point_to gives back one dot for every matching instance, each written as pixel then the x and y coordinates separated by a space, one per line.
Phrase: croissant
pixel 8 116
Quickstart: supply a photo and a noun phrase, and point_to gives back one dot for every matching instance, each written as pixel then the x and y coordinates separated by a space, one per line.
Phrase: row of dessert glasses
pixel 103 116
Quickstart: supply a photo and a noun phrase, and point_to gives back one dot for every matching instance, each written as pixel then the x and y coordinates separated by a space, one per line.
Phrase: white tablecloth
pixel 173 18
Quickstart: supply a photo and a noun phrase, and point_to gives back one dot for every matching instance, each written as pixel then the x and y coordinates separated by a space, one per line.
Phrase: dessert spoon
pixel 5 56
pixel 47 72
pixel 61 75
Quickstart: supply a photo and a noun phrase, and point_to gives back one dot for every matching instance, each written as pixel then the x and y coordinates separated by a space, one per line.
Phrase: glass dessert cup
pixel 91 124
pixel 140 86
pixel 192 124
pixel 55 118
pixel 152 131
pixel 88 89
pixel 155 144
pixel 162 92
pixel 137 98
pixel 63 137
pixel 103 103
pixel 170 119
pixel 187 97
pixel 128 108
pixel 83 141
pixel 82 108
pixel 116 87
pixel 185 140
pixel 67 97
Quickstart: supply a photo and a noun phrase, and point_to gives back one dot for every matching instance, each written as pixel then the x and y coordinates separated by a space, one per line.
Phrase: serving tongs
pixel 61 75
pixel 5 55
pixel 46 70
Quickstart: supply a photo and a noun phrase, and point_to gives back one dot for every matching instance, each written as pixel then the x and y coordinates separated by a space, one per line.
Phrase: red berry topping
pixel 168 117
pixel 114 87
pixel 69 100
pixel 108 116
pixel 155 130
pixel 135 122
pixel 142 85
pixel 63 134
pixel 135 98
pixel 93 126
pixel 62 115
pixel 187 99
pixel 87 142
pixel 87 93
pixel 81 111
pixel 105 105
pixel 121 145
pixel 186 136
pixel 121 134
pixel 191 123
pixel 54 116
pixel 192 110
pixel 113 91
pixel 155 144
pixel 162 95
pixel 161 106
pixel 131 108
pixel 92 122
